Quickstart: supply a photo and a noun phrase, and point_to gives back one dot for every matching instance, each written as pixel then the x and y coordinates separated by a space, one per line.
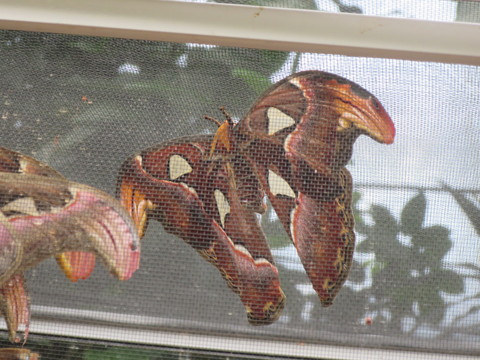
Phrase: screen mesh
pixel 435 10
pixel 85 105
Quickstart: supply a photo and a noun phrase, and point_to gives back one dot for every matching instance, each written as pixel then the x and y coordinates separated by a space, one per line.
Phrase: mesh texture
pixel 85 105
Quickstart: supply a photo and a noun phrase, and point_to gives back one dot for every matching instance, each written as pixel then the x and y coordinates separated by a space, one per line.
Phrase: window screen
pixel 436 10
pixel 83 105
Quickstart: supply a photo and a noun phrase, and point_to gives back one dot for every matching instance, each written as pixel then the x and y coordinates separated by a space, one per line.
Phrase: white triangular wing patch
pixel 278 120
pixel 278 185
pixel 222 205
pixel 25 205
pixel 178 166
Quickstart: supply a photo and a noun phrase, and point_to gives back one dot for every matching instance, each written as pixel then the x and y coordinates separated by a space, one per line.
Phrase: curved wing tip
pixel 270 313
pixel 389 136
pixel 126 267
pixel 265 319
pixel 17 339
pixel 326 302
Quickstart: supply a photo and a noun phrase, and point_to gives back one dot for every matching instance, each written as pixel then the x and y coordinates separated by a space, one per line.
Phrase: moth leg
pixel 15 307
pixel 137 205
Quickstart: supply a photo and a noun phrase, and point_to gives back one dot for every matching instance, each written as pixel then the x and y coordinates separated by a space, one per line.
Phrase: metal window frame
pixel 249 26
pixel 125 328
pixel 239 26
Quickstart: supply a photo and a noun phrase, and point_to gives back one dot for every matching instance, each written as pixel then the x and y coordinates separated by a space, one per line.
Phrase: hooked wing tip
pixel 377 123
pixel 379 126
pixel 389 132
pixel 119 243
pixel 111 232
pixel 383 123
pixel 326 302
pixel 271 312
pixel 131 265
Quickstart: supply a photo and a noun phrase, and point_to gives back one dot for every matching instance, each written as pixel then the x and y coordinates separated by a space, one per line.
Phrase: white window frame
pixel 249 26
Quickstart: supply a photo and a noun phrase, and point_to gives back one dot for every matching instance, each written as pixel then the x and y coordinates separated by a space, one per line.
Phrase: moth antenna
pixel 226 114
pixel 213 119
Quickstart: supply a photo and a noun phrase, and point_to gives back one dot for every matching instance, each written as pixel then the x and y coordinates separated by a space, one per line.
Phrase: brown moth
pixel 292 146
pixel 42 214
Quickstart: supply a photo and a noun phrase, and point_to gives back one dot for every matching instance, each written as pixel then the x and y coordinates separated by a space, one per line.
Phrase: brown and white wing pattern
pixel 209 202
pixel 41 215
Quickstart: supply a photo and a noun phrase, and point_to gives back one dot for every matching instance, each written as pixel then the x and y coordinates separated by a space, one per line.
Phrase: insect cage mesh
pixel 84 105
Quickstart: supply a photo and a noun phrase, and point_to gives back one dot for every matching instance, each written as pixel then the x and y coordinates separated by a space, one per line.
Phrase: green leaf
pixel 377 268
pixel 100 45
pixel 382 236
pixel 472 310
pixel 383 217
pixel 402 298
pixel 357 273
pixel 265 62
pixel 413 215
pixel 364 247
pixel 449 281
pixel 469 207
pixel 434 242
pixel 360 226
pixel 470 266
pixel 257 81
pixel 431 306
pixel 279 241
pixel 270 60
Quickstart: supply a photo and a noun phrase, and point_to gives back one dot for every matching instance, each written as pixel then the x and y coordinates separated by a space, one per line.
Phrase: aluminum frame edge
pixel 250 27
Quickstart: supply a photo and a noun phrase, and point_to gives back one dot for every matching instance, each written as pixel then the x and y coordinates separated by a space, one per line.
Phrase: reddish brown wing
pixel 75 265
pixel 18 354
pixel 321 229
pixel 307 113
pixel 48 216
pixel 209 202
pixel 17 163
pixel 44 216
pixel 322 232
pixel 299 136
